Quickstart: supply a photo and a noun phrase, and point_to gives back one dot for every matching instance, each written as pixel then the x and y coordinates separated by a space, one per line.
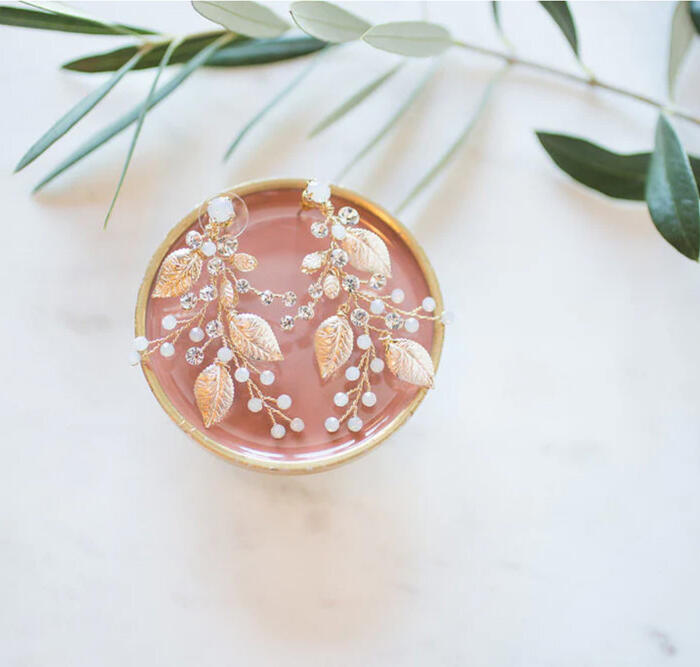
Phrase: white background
pixel 542 507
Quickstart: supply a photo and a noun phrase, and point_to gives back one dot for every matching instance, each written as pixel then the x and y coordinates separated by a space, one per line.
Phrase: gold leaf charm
pixel 333 344
pixel 409 361
pixel 331 286
pixel 179 271
pixel 228 296
pixel 313 261
pixel 213 392
pixel 244 262
pixel 252 337
pixel 366 251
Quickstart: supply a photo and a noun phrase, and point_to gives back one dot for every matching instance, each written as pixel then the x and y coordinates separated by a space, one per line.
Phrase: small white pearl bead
pixel 297 425
pixel 369 398
pixel 377 306
pixel 267 377
pixel 355 424
pixel 284 401
pixel 169 322
pixel 338 231
pixel 140 343
pixel 364 342
pixel 209 248
pixel 224 354
pixel 341 399
pixel 447 317
pixel 196 334
pixel 242 374
pixel 331 424
pixel 278 431
pixel 255 405
pixel 397 295
pixel 134 358
pixel 429 304
pixel 377 365
pixel 167 349
pixel 411 325
pixel 352 373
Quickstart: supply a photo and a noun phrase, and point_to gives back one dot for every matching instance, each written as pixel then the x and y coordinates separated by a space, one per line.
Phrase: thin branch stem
pixel 591 81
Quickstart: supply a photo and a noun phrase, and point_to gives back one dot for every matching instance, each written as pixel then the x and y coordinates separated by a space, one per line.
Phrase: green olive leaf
pixel 328 22
pixel 245 18
pixel 409 38
pixel 682 33
pixel 672 193
pixel 561 15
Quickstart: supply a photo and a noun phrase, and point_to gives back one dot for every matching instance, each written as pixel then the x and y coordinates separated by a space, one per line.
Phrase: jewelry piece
pixel 364 307
pixel 209 309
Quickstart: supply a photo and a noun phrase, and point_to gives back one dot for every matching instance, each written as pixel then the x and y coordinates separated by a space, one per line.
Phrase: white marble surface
pixel 541 509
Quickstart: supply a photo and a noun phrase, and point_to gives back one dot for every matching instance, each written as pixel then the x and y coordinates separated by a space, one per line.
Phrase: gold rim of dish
pixel 325 462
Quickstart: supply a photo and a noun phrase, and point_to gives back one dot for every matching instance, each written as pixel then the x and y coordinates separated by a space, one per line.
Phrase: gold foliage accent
pixel 244 262
pixel 179 271
pixel 313 261
pixel 331 286
pixel 228 295
pixel 252 337
pixel 333 344
pixel 366 251
pixel 409 361
pixel 213 392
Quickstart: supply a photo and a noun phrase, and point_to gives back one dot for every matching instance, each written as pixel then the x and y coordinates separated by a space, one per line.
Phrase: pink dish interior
pixel 278 235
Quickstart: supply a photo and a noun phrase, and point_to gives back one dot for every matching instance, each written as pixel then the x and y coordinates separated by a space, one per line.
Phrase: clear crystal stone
pixel 315 291
pixel 193 239
pixel 351 283
pixel 214 328
pixel 306 312
pixel 267 297
pixel 227 246
pixel 319 230
pixel 220 209
pixel 318 191
pixel 393 320
pixel 348 215
pixel 377 281
pixel 188 301
pixel 287 322
pixel 242 286
pixel 359 317
pixel 339 257
pixel 215 265
pixel 194 356
pixel 207 293
pixel 289 299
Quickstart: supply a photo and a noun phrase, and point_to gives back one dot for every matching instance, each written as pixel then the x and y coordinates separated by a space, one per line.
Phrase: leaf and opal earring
pixel 205 276
pixel 368 316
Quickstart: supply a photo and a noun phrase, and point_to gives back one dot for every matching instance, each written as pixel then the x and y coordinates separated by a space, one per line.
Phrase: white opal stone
pixel 448 317
pixel 169 322
pixel 140 343
pixel 167 349
pixel 377 306
pixel 209 248
pixel 224 354
pixel 318 191
pixel 267 377
pixel 352 373
pixel 331 424
pixel 364 342
pixel 278 431
pixel 297 425
pixel 284 401
pixel 411 325
pixel 397 295
pixel 255 405
pixel 196 334
pixel 429 304
pixel 242 374
pixel 220 209
pixel 341 399
pixel 377 365
pixel 355 424
pixel 369 398
pixel 338 231
pixel 134 358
